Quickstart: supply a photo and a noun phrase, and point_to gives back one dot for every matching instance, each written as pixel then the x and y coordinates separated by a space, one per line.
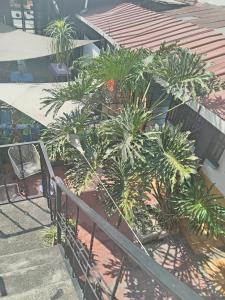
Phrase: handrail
pixel 20 144
pixel 146 263
pixel 46 159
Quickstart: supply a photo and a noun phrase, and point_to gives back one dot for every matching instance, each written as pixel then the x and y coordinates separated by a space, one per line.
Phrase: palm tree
pixel 62 33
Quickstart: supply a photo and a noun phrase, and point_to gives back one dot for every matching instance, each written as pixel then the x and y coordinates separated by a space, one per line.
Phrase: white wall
pixel 216 175
pixel 214 2
pixel 90 50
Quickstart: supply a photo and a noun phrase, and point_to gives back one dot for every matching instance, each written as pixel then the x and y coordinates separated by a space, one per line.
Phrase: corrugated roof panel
pixel 134 27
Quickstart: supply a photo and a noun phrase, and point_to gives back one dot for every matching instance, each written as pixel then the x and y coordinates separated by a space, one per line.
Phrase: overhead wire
pixel 79 148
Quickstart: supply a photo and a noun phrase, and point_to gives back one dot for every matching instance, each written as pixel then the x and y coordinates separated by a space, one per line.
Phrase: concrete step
pixel 26 259
pixel 23 280
pixel 22 216
pixel 29 270
pixel 60 291
pixel 19 243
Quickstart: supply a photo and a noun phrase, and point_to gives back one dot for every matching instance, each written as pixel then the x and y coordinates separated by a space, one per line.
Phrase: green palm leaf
pixel 172 158
pixel 62 33
pixel 55 136
pixel 124 133
pixel 184 74
pixel 200 206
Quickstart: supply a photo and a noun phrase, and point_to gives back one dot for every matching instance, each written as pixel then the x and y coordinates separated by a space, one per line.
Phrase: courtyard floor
pixel 201 269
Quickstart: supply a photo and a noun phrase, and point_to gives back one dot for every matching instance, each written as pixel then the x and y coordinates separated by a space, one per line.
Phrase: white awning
pixel 27 98
pixel 20 45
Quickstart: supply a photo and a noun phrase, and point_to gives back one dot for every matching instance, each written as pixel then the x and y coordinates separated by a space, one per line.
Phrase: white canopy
pixel 20 45
pixel 27 98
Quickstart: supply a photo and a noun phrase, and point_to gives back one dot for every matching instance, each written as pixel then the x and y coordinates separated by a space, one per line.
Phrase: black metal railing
pixel 104 261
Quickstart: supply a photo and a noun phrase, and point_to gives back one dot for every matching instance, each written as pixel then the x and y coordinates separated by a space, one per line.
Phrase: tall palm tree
pixel 62 33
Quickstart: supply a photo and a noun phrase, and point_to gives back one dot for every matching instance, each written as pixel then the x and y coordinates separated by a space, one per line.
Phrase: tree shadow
pixel 216 104
pixel 176 256
pixel 134 283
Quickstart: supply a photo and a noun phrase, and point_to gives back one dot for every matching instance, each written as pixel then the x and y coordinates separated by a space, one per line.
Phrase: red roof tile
pixel 134 27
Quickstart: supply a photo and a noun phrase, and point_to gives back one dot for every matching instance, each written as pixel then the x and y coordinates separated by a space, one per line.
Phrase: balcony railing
pixel 105 262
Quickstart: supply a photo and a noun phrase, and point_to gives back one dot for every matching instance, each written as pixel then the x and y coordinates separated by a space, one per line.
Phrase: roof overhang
pixel 27 98
pixel 20 45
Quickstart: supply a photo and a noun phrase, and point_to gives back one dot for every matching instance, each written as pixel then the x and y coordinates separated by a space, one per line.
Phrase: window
pixel 22 14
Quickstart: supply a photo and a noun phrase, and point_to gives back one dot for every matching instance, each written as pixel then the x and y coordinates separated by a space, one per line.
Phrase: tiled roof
pixel 134 27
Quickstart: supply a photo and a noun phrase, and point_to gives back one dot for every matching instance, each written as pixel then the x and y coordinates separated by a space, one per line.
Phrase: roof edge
pixel 208 115
pixel 98 30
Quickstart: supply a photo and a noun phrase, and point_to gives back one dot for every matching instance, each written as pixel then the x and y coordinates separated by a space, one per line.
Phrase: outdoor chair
pixel 11 193
pixel 26 163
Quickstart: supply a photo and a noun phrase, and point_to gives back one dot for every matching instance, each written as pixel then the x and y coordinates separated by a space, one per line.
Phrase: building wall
pixel 216 175
pixel 5 12
pixel 90 50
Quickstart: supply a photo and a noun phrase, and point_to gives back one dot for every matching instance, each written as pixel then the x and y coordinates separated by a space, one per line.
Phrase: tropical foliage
pixel 56 135
pixel 199 205
pixel 49 234
pixel 122 146
pixel 62 33
pixel 124 133
pixel 126 185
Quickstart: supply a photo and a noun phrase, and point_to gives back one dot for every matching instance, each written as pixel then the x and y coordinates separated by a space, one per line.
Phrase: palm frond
pixel 124 133
pixel 172 157
pixel 55 136
pixel 200 206
pixel 184 74
pixel 62 33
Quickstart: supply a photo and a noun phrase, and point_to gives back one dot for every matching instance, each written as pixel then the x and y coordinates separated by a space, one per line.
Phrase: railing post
pixel 58 214
pixel 43 175
pixel 22 172
pixel 119 277
pixel 6 191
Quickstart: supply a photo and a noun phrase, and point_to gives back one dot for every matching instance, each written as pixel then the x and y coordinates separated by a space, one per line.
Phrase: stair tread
pixel 23 216
pixel 25 259
pixel 19 243
pixel 22 280
pixel 28 269
pixel 63 290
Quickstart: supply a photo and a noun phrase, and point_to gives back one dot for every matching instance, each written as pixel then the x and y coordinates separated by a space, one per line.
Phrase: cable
pixel 119 210
pixel 76 144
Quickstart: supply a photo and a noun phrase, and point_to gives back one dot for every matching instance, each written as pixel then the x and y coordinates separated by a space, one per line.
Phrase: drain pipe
pixel 84 10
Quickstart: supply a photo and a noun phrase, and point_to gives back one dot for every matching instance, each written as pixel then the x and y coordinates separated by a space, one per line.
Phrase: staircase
pixel 28 269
